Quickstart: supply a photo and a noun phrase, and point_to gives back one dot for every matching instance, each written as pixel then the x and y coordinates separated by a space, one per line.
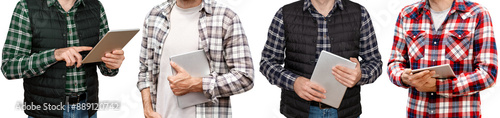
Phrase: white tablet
pixel 196 64
pixel 323 76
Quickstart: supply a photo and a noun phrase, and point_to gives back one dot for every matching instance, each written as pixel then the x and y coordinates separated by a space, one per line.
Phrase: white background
pixel 381 99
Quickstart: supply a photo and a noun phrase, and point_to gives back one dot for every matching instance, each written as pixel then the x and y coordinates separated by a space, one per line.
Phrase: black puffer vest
pixel 301 31
pixel 49 29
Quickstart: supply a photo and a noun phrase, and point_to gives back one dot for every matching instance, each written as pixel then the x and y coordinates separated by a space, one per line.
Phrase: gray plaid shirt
pixel 221 37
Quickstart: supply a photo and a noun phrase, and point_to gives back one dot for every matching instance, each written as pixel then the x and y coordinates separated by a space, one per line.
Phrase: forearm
pixel 146 101
pixel 370 71
pixel 466 83
pixel 228 84
pixel 17 65
pixel 197 84
pixel 277 75
pixel 395 71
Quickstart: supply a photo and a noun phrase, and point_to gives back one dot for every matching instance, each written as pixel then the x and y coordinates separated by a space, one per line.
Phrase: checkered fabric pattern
pixel 19 62
pixel 273 55
pixel 465 41
pixel 221 36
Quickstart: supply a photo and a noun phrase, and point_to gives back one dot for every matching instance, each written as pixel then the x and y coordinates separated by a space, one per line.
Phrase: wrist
pixel 197 84
pixel 298 79
pixel 148 112
pixel 55 54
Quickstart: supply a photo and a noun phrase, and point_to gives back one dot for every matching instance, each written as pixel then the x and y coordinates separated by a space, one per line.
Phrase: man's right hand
pixel 308 90
pixel 151 114
pixel 71 55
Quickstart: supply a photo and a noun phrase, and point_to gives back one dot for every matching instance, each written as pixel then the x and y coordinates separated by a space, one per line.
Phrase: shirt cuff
pixel 209 88
pixel 106 71
pixel 400 81
pixel 51 57
pixel 444 87
pixel 291 77
pixel 143 85
pixel 365 76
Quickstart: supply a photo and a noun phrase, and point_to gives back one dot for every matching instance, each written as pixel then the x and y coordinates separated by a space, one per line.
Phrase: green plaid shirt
pixel 19 62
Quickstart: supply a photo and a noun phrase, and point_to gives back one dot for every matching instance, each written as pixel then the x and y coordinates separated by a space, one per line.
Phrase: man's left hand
pixel 113 60
pixel 182 83
pixel 346 76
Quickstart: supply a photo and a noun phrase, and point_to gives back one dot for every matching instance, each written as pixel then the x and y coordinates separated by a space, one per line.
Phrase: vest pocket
pixel 457 44
pixel 416 41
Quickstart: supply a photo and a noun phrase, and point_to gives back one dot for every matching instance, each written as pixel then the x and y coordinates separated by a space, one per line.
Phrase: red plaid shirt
pixel 464 40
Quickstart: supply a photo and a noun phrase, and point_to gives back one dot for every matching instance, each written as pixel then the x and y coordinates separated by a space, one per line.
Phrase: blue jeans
pixel 316 112
pixel 71 111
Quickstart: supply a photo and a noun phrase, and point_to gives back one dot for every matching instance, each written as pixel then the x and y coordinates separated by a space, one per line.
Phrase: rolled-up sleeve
pixel 145 79
pixel 238 59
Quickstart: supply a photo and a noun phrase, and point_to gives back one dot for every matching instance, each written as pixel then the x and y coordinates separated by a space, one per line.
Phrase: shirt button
pixel 63 76
pixel 414 36
pixel 432 111
pixel 435 43
pixel 434 60
pixel 459 36
pixel 432 93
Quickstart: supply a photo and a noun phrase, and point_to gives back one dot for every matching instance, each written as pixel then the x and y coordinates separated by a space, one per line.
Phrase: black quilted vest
pixel 49 29
pixel 301 31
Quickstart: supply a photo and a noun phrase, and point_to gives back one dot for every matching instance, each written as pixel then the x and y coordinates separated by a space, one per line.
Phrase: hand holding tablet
pixel 442 71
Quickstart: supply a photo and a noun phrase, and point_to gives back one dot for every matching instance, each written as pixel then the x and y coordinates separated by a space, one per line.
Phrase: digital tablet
pixel 196 64
pixel 322 75
pixel 113 40
pixel 442 71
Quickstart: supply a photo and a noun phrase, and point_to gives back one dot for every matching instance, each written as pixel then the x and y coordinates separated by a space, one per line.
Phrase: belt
pixel 74 98
pixel 320 105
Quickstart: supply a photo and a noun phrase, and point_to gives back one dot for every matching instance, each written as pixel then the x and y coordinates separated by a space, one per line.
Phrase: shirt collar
pixel 458 5
pixel 338 3
pixel 206 6
pixel 50 3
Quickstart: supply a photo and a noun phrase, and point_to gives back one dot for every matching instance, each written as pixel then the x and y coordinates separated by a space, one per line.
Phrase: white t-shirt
pixel 438 17
pixel 183 37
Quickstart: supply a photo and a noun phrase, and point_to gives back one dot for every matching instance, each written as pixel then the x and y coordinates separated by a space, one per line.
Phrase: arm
pixel 103 29
pixel 238 60
pixel 17 59
pixel 145 77
pixel 273 56
pixel 398 60
pixel 371 65
pixel 485 63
